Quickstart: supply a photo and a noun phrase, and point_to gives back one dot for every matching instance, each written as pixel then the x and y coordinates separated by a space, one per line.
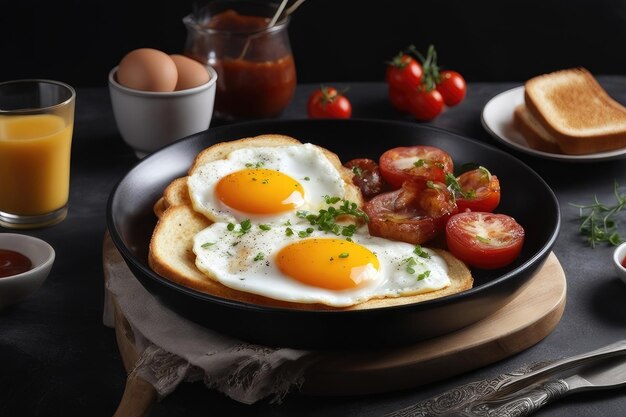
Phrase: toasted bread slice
pixel 574 108
pixel 171 254
pixel 537 137
pixel 174 195
pixel 221 150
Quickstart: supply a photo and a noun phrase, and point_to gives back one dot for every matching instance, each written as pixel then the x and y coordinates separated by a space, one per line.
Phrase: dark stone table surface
pixel 58 359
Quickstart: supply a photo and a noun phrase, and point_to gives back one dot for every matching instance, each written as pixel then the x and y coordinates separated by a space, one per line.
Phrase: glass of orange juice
pixel 36 122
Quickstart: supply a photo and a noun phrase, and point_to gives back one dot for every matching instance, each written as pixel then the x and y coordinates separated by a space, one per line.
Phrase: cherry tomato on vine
pixel 425 104
pixel 327 102
pixel 404 72
pixel 484 240
pixel 452 87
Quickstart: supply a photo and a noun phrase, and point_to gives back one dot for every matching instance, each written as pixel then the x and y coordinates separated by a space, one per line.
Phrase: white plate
pixel 497 119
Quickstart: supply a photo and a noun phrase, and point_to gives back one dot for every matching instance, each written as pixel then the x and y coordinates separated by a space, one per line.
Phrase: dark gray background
pixel 348 40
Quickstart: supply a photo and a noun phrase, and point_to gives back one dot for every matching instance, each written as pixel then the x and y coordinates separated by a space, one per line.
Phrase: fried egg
pixel 300 266
pixel 264 184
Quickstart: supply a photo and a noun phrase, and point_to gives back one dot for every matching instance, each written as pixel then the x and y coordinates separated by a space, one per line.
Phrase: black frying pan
pixel 525 196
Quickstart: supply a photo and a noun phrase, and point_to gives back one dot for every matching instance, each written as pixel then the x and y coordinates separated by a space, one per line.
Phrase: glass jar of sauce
pixel 254 62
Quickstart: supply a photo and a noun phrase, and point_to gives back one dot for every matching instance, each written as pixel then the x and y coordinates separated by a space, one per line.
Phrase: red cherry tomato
pixel 479 190
pixel 366 176
pixel 452 87
pixel 404 73
pixel 327 102
pixel 484 240
pixel 425 105
pixel 399 99
pixel 424 163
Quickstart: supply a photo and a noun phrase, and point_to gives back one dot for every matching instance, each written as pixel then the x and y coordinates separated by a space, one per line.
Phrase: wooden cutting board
pixel 526 320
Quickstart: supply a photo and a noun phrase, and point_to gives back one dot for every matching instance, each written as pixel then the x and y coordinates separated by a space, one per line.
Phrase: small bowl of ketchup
pixel 25 263
pixel 619 260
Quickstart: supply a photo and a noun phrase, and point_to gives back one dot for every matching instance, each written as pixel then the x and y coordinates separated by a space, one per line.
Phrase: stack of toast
pixel 569 112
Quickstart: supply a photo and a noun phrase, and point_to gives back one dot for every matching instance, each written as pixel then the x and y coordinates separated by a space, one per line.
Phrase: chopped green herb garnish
pixel 483 239
pixel 410 267
pixel 302 233
pixel 419 163
pixel 331 200
pixel 288 231
pixel 348 230
pixel 244 227
pixel 256 165
pixel 453 183
pixel 358 171
pixel 455 187
pixel 410 263
pixel 423 275
pixel 264 227
pixel 259 256
pixel 207 244
pixel 421 252
pixel 307 179
pixel 326 218
pixel 344 254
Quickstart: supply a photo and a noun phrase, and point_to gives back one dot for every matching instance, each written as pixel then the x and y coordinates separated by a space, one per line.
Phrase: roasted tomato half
pixel 423 163
pixel 479 190
pixel 484 240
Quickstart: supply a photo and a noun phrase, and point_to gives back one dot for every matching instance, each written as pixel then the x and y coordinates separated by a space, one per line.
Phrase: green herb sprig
pixel 599 221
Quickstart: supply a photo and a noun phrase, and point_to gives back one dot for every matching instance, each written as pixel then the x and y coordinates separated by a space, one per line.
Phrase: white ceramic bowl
pixel 15 288
pixel 150 120
pixel 618 256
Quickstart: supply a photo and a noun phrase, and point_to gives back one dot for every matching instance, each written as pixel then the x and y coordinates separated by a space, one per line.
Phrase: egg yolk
pixel 334 264
pixel 260 191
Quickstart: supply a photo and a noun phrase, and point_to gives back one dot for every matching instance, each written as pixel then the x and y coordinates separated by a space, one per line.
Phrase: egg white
pixel 305 163
pixel 235 261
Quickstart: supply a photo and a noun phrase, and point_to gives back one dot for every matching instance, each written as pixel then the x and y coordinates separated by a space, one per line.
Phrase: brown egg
pixel 191 73
pixel 148 70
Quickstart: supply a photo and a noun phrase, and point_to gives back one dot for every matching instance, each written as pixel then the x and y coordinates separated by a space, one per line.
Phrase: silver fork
pixel 506 385
pixel 608 373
